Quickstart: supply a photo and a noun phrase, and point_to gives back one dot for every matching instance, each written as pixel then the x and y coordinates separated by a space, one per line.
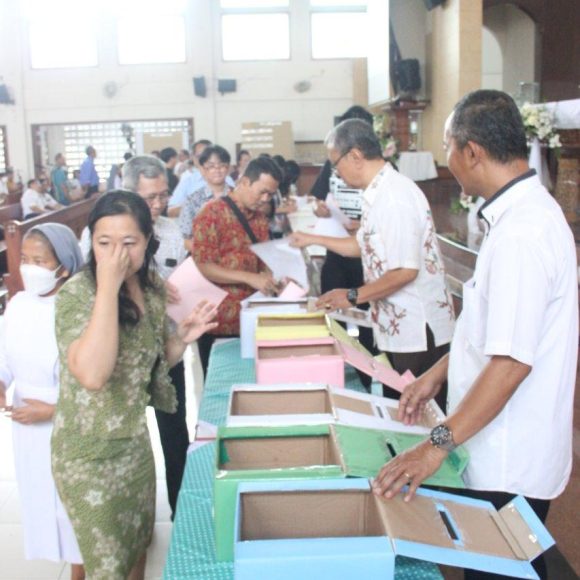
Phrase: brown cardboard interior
pixel 417 520
pixel 280 452
pixel 352 404
pixel 293 402
pixel 480 533
pixel 424 421
pixel 284 351
pixel 519 532
pixel 421 521
pixel 309 514
pixel 280 321
pixel 263 303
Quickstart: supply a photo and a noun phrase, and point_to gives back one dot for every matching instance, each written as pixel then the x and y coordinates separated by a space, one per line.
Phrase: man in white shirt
pixel 512 365
pixel 411 309
pixel 35 202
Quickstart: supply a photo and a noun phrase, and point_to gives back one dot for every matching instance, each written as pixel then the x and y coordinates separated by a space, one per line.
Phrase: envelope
pixel 193 288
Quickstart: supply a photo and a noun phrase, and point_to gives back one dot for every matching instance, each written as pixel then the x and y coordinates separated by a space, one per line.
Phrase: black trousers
pixel 499 499
pixel 174 437
pixel 204 344
pixel 340 272
pixel 418 363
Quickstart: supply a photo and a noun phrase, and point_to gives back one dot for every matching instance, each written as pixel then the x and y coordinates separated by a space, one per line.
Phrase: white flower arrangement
pixel 539 123
pixel 463 203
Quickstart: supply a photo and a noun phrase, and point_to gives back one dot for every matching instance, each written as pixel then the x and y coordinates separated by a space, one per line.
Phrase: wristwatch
pixel 352 296
pixel 442 437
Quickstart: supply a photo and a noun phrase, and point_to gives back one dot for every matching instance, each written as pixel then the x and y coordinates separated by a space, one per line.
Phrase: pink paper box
pixel 299 361
pixel 319 360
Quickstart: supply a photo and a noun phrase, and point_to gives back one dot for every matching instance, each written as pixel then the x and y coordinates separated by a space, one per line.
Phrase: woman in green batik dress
pixel 115 348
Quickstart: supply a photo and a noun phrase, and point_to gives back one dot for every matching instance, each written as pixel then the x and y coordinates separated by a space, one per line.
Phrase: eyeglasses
pixel 215 166
pixel 335 164
pixel 160 197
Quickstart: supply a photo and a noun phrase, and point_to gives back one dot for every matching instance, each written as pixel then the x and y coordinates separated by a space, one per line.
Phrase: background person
pixel 411 309
pixel 29 357
pixel 145 175
pixel 223 232
pixel 512 366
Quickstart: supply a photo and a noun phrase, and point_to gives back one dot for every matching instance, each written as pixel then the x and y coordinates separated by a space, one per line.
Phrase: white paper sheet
pixel 336 212
pixel 330 227
pixel 193 288
pixel 283 261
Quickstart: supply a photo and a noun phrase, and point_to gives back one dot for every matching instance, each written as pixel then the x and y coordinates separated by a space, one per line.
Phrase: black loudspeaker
pixel 430 4
pixel 199 87
pixel 408 75
pixel 5 98
pixel 227 86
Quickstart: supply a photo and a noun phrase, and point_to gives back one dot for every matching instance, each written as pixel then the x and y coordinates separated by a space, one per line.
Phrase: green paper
pixel 365 451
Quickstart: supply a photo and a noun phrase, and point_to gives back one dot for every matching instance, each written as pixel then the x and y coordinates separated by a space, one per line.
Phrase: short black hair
pixel 492 120
pixel 355 134
pixel 357 112
pixel 240 153
pixel 221 153
pixel 30 182
pixel 261 165
pixel 119 202
pixel 205 142
pixel 168 153
pixel 127 156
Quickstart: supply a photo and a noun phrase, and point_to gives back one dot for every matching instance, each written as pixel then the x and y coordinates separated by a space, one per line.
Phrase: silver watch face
pixel 441 435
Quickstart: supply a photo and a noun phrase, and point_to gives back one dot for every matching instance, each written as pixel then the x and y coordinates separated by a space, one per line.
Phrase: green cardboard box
pixel 306 452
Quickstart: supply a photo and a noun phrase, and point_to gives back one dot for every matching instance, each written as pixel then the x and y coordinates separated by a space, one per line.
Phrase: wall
pixel 558 49
pixel 454 65
pixel 491 61
pixel 265 89
pixel 515 33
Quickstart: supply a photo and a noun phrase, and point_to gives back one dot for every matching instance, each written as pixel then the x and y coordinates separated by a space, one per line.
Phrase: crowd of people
pixel 106 348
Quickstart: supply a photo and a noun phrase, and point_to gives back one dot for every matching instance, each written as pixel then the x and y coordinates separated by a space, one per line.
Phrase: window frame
pixel 39 161
pixel 185 60
pixel 255 11
pixel 353 9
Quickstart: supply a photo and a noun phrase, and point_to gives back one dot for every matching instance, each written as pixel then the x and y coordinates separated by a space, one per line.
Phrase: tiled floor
pixel 13 566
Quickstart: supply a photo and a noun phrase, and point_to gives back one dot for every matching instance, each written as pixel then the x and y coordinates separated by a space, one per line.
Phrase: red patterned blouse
pixel 219 238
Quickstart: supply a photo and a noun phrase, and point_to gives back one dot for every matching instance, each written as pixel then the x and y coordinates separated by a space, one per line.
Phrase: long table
pixel 191 553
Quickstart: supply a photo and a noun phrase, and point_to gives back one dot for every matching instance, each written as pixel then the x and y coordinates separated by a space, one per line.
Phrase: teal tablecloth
pixel 191 553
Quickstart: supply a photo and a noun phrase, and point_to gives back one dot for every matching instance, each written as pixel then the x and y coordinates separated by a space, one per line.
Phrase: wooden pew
pixel 75 216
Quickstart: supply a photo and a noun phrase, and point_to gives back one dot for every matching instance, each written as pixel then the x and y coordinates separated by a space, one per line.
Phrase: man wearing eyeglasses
pixel 215 167
pixel 146 176
pixel 411 309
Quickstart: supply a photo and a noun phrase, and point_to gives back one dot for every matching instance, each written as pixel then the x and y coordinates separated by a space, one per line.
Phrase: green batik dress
pixel 101 452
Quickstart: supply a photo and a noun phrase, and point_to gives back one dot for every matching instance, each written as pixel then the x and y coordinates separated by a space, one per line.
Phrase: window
pixel 110 140
pixel 255 29
pixel 61 34
pixel 151 32
pixel 339 29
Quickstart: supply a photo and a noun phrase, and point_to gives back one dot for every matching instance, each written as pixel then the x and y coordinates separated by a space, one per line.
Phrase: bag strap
pixel 241 218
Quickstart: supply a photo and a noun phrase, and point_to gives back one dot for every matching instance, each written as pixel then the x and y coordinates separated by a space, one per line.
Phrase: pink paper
pixel 193 288
pixel 292 291
pixel 375 369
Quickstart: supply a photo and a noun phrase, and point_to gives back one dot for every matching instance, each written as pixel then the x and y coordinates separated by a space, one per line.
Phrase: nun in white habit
pixel 29 359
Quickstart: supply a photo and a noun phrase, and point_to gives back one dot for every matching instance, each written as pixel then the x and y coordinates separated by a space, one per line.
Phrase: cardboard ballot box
pixel 250 310
pixel 339 530
pixel 321 360
pixel 306 452
pixel 313 404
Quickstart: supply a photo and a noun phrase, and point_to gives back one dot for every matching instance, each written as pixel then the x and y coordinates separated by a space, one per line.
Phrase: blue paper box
pixel 339 530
